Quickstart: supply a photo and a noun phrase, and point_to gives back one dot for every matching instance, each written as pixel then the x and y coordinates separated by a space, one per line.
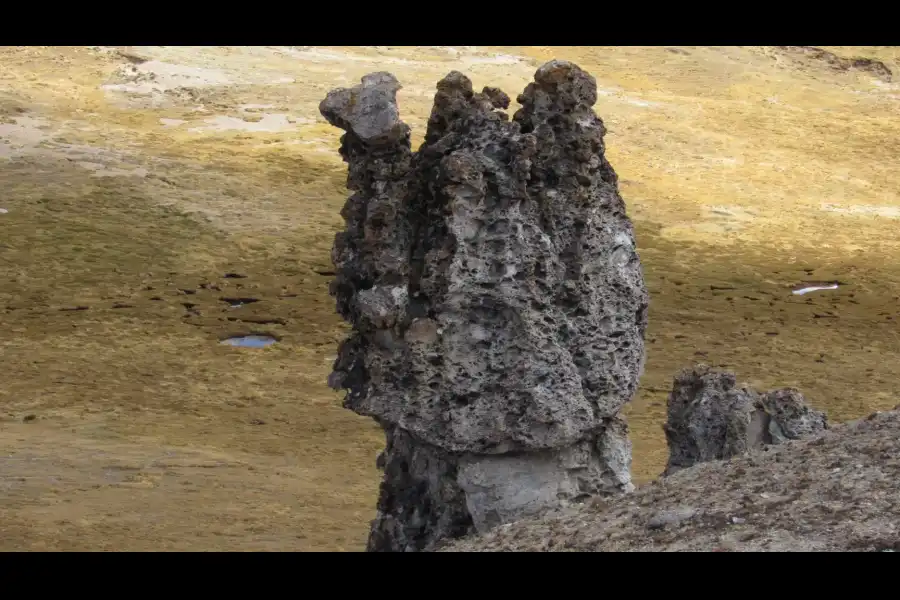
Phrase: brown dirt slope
pixel 835 492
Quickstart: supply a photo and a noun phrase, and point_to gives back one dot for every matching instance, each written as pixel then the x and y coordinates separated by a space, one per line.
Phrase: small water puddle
pixel 806 288
pixel 250 341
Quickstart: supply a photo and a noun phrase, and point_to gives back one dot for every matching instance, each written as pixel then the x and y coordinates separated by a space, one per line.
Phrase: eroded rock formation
pixel 711 417
pixel 497 302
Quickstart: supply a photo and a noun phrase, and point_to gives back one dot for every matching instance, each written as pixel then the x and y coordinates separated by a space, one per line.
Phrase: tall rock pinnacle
pixel 497 302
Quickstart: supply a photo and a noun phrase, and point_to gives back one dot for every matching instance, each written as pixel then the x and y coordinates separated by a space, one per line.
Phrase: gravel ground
pixel 837 491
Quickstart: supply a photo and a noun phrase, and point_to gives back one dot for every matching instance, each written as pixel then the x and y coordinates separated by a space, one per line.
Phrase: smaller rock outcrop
pixel 712 417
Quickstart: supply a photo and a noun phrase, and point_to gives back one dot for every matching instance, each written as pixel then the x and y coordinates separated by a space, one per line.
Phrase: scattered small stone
pixel 257 422
pixel 671 517
pixel 73 308
pixel 234 276
pixel 131 57
pixel 29 418
pixel 598 503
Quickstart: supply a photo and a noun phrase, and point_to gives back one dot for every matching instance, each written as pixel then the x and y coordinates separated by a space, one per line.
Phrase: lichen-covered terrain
pixel 158 199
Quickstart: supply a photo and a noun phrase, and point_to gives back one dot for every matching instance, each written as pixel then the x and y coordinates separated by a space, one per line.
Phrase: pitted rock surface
pixel 711 417
pixel 496 297
pixel 368 110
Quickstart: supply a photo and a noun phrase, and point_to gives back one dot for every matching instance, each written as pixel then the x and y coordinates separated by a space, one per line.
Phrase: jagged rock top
pixel 369 110
pixel 837 491
pixel 492 276
pixel 559 86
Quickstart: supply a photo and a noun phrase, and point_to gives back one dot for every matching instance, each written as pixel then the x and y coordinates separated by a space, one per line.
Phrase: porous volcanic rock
pixel 497 302
pixel 711 417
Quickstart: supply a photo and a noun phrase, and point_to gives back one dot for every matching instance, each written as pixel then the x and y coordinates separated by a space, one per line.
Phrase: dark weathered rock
pixel 789 417
pixel 420 500
pixel 711 417
pixel 497 301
